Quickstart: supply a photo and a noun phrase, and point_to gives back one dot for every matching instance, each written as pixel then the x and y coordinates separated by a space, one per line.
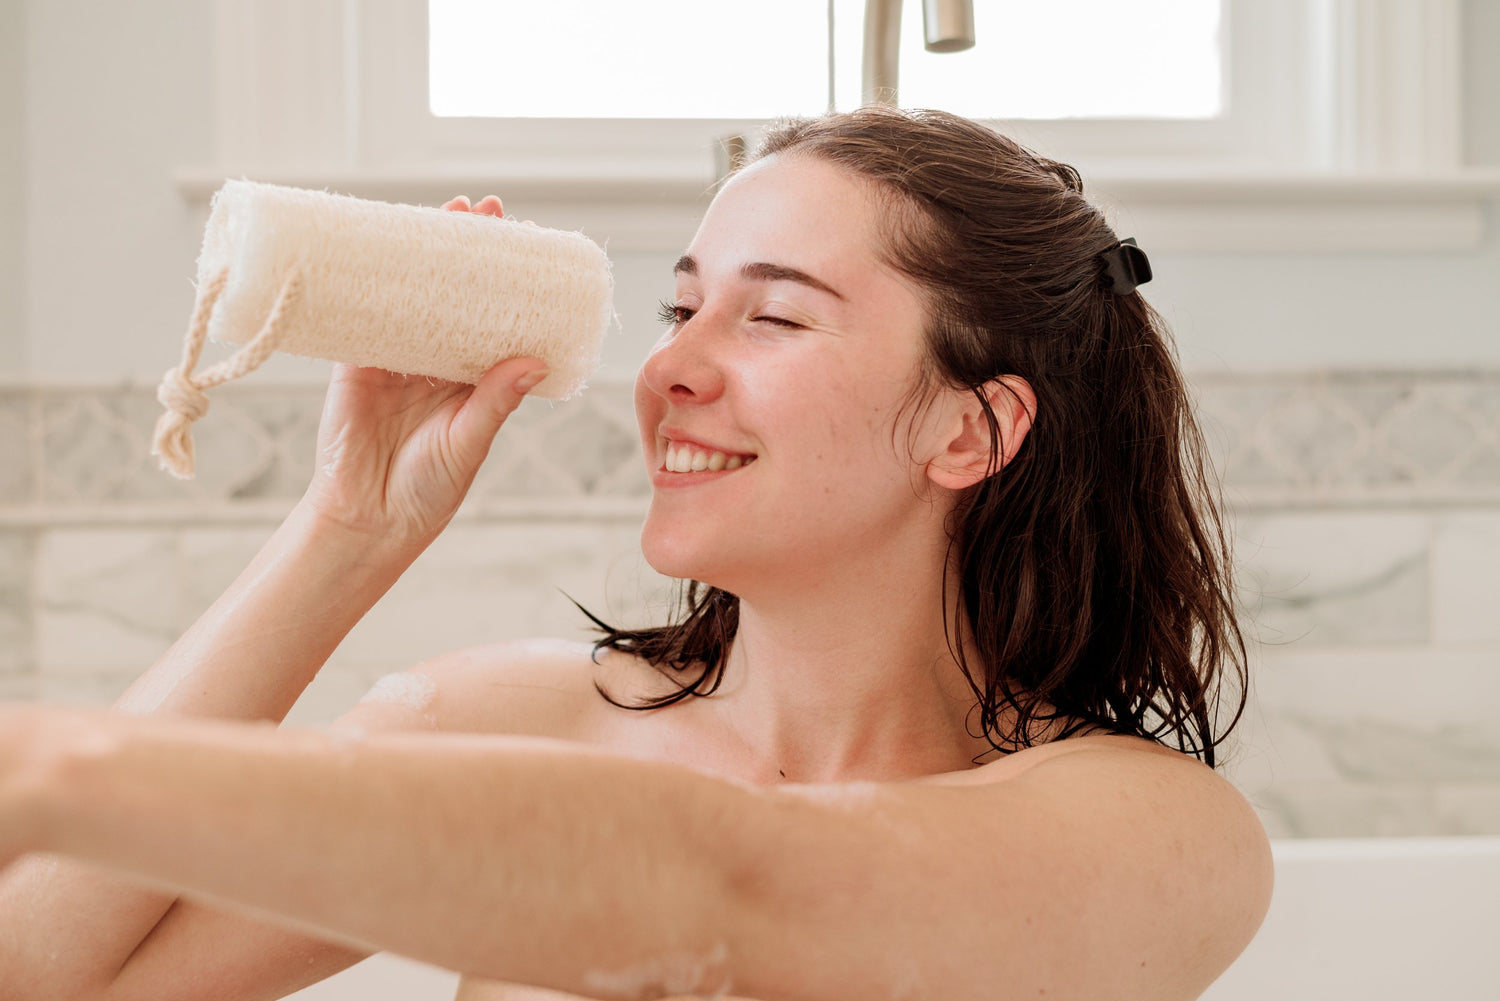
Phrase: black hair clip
pixel 1125 267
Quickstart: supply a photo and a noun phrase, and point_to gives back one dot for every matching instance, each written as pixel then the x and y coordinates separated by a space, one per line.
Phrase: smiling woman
pixel 1049 408
pixel 920 452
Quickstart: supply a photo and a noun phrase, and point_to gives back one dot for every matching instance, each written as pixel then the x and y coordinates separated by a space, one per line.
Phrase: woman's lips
pixel 666 479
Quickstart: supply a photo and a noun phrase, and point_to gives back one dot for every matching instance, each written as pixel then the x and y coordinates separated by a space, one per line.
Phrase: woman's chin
pixel 680 558
pixel 673 563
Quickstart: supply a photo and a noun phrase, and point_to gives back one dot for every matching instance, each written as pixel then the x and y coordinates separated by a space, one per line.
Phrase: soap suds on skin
pixel 412 689
pixel 671 974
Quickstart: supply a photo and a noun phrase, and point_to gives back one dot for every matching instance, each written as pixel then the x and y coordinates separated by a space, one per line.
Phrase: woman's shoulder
pixel 539 687
pixel 1022 760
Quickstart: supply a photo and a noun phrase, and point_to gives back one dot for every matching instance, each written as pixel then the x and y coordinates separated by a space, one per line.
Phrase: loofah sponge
pixel 422 291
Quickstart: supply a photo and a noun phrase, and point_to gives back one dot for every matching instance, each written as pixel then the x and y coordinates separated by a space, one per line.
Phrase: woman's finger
pixel 493 400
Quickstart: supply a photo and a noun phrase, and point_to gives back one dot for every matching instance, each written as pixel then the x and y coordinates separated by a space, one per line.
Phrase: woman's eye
pixel 673 315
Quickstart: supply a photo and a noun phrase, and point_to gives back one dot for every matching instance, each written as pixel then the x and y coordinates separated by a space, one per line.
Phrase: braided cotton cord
pixel 183 394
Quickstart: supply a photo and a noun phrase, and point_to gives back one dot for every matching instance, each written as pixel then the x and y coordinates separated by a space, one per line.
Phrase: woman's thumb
pixel 493 400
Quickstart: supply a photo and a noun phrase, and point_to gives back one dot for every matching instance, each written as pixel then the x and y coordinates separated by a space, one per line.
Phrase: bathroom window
pixel 607 59
pixel 1153 85
pixel 685 59
pixel 1061 59
pixel 1138 89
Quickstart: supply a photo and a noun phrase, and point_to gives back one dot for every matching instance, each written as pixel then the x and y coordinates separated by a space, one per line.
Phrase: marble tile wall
pixel 1366 514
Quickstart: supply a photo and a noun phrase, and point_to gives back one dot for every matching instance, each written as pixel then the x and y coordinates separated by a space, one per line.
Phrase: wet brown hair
pixel 1094 572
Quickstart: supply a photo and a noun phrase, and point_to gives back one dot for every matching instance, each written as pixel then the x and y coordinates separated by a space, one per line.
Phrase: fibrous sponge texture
pixel 416 290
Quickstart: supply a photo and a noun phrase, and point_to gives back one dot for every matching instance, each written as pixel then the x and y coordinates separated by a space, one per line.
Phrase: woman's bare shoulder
pixel 1021 761
pixel 532 687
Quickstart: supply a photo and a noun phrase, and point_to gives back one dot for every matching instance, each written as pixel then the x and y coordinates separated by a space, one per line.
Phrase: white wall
pixel 1481 82
pixel 12 161
pixel 114 97
pixel 1291 311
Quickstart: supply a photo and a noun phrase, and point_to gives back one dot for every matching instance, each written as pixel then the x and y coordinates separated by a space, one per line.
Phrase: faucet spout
pixel 948 26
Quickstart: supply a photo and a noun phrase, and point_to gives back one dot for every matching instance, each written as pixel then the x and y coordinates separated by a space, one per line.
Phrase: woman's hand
pixel 397 454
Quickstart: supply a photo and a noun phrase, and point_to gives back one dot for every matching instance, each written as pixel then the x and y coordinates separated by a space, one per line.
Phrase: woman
pixel 923 446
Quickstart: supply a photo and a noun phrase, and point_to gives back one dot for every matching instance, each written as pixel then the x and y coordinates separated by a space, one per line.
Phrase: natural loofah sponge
pixel 422 291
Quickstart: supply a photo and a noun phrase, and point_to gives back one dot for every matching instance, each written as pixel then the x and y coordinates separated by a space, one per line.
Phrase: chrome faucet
pixel 948 26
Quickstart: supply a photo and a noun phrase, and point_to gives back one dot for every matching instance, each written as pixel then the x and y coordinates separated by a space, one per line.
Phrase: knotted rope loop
pixel 182 394
pixel 178 394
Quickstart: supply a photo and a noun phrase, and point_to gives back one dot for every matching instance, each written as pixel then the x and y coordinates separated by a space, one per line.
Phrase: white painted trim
pixel 413 184
pixel 1310 213
pixel 1302 214
pixel 1395 84
pixel 283 82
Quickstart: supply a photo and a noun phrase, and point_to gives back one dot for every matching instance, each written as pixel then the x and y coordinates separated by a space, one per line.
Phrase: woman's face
pixel 778 387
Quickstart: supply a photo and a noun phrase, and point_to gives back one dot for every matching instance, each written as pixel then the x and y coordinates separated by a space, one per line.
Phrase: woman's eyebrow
pixel 763 271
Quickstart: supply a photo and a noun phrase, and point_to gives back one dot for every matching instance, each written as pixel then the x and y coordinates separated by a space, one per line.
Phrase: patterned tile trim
pixel 1344 439
pixel 1309 440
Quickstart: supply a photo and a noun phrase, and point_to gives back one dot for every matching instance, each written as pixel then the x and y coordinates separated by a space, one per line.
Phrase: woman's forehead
pixel 802 213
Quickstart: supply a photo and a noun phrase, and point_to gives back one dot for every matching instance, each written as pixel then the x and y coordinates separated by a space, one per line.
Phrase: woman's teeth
pixel 687 459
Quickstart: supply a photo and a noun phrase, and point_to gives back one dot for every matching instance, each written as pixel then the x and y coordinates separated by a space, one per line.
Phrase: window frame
pixel 398 129
pixel 1355 143
pixel 1367 80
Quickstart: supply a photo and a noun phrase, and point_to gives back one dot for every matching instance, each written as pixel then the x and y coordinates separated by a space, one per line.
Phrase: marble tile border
pixel 80 454
pixel 1354 439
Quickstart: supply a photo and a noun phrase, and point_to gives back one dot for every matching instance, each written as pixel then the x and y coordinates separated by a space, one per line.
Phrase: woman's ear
pixel 965 460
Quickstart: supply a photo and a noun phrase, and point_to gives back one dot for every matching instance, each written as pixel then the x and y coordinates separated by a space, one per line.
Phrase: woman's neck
pixel 848 679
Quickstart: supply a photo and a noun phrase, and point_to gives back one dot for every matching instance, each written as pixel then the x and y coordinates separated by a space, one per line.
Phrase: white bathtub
pixel 1362 919
pixel 1376 919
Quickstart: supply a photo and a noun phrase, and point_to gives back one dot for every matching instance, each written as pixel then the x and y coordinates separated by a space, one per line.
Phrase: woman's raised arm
pixel 66 929
pixel 543 862
pixel 395 458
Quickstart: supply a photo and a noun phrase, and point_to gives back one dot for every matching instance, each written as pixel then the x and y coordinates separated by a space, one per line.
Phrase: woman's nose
pixel 686 365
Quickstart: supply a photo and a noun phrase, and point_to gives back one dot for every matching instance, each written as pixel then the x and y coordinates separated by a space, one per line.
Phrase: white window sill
pixel 1229 213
